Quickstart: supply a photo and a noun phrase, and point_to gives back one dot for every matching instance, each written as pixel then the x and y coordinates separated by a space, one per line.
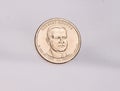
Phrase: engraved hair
pixel 49 32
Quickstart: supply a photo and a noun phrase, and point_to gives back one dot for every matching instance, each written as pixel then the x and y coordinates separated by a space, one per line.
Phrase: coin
pixel 57 40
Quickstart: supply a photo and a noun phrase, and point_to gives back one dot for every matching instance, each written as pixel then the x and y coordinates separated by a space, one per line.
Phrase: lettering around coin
pixel 57 40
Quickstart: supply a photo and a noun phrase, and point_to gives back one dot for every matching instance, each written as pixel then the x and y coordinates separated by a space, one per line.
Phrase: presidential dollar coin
pixel 57 40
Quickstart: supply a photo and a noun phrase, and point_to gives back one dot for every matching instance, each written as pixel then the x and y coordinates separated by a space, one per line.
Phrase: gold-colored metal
pixel 57 40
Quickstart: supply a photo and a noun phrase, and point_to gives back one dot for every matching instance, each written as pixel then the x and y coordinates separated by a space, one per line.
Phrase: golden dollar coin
pixel 57 40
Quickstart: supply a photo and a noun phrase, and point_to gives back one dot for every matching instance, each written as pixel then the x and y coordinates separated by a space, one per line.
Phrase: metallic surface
pixel 57 40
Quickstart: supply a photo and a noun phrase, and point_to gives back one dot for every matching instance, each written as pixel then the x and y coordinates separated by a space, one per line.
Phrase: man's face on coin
pixel 58 39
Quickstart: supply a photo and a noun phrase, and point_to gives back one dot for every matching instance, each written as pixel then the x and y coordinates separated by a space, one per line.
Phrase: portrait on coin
pixel 57 41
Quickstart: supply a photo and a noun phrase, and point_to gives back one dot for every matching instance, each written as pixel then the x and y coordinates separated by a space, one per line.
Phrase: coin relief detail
pixel 57 40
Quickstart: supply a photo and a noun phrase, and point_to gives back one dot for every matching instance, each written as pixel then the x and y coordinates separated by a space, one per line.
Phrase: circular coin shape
pixel 57 40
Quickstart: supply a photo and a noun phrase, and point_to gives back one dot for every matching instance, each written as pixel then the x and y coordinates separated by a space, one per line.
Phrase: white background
pixel 95 68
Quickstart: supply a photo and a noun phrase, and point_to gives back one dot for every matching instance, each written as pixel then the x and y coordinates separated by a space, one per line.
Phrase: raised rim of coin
pixel 77 31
